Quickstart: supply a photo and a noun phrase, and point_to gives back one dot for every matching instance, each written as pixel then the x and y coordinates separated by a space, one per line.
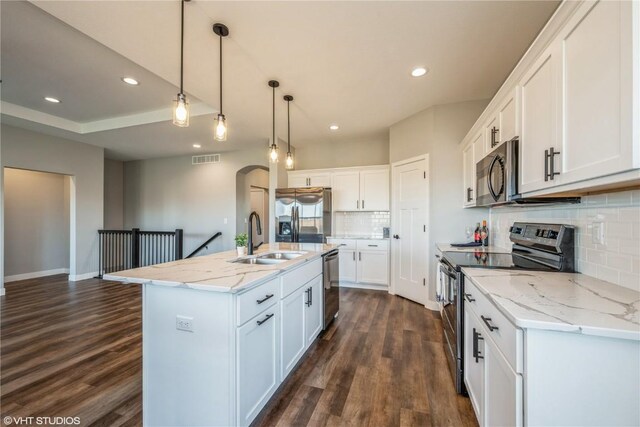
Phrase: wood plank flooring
pixel 74 349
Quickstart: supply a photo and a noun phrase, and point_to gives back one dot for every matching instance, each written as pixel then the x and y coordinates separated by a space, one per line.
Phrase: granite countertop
pixel 446 247
pixel 568 302
pixel 215 273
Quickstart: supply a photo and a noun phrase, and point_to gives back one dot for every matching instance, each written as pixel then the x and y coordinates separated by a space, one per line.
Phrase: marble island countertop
pixel 568 302
pixel 217 273
pixel 446 247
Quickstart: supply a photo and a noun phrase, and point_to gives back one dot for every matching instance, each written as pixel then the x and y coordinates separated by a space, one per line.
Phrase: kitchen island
pixel 221 333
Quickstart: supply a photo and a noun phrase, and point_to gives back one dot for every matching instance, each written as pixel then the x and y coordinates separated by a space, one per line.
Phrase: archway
pixel 252 194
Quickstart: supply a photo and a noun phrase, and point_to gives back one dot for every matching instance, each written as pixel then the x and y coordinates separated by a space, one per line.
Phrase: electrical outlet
pixel 184 323
pixel 225 220
pixel 597 233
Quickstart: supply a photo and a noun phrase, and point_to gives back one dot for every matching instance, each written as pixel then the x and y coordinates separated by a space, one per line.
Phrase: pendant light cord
pixel 182 46
pixel 288 129
pixel 273 141
pixel 220 74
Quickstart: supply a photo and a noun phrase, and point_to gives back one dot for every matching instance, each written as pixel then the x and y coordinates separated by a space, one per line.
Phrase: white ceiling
pixel 344 62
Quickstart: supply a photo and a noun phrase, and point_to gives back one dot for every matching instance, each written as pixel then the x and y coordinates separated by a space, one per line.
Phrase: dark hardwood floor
pixel 74 349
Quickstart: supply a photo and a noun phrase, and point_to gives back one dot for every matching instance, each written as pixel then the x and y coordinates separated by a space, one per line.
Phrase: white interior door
pixel 410 249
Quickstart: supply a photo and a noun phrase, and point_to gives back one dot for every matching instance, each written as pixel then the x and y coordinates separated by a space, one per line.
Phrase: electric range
pixel 538 247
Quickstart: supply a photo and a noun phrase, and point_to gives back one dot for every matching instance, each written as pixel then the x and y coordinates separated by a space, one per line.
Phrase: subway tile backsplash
pixel 360 224
pixel 617 260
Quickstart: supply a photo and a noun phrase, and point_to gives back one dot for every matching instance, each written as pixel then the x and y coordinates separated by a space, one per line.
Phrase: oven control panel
pixel 545 234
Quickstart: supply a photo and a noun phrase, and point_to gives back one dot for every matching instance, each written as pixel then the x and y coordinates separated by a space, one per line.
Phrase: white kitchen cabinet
pixel 293 342
pixel 474 362
pixel 508 120
pixel 469 176
pixel 539 124
pixel 374 190
pixel 361 189
pixel 313 315
pixel 257 368
pixel 301 179
pixel 345 189
pixel 596 90
pixel 363 262
pixel 503 389
pixel 373 262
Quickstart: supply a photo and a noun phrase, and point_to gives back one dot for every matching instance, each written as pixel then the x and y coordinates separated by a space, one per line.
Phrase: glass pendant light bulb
pixel 220 128
pixel 273 153
pixel 289 160
pixel 181 111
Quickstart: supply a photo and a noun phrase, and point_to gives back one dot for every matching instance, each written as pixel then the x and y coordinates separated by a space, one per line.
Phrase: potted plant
pixel 241 243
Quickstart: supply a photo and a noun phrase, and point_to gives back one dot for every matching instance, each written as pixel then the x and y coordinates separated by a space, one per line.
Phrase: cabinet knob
pixel 395 236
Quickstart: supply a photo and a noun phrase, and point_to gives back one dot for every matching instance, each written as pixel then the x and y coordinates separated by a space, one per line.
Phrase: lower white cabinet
pixel 503 389
pixel 363 262
pixel 313 315
pixel 257 363
pixel 474 362
pixel 293 340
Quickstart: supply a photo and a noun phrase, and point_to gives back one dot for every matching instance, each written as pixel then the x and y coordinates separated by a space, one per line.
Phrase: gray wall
pixel 113 194
pixel 366 152
pixel 438 131
pixel 170 193
pixel 24 149
pixel 37 221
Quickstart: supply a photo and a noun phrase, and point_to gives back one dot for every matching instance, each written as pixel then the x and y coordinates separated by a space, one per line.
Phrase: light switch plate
pixel 597 233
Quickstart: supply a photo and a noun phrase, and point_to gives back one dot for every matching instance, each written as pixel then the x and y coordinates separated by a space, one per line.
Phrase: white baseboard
pixel 364 286
pixel 85 276
pixel 432 305
pixel 35 275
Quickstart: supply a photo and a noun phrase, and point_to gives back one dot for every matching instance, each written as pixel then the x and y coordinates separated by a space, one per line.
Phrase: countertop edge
pixel 556 326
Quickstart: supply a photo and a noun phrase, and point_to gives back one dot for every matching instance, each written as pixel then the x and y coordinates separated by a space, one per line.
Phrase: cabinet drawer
pixel 504 334
pixel 343 243
pixel 257 299
pixel 298 277
pixel 373 245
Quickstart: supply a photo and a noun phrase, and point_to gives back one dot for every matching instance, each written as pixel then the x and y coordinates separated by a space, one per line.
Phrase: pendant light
pixel 289 162
pixel 220 126
pixel 273 148
pixel 181 104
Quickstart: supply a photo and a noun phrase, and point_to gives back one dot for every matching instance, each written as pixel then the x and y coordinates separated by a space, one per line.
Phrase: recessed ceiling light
pixel 419 71
pixel 197 145
pixel 50 99
pixel 334 127
pixel 130 81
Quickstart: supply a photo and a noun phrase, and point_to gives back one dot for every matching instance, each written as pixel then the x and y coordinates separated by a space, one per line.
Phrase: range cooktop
pixel 511 261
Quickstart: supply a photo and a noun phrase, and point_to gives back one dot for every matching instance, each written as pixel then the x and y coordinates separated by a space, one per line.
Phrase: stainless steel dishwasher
pixel 331 283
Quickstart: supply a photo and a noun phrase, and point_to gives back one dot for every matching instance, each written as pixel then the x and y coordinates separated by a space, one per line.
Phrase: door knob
pixel 395 236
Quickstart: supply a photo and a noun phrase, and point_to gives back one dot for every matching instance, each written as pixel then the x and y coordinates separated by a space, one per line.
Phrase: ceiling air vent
pixel 205 159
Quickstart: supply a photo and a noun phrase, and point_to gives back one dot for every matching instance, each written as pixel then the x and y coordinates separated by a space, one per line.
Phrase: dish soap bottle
pixel 476 234
pixel 484 234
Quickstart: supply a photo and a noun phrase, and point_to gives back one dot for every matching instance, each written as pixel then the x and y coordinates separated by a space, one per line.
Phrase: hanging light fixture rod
pixel 221 122
pixel 273 149
pixel 289 159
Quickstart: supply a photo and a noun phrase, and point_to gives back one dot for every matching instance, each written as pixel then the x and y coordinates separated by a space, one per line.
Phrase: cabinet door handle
pixel 354 255
pixel 363 204
pixel 494 133
pixel 373 246
pixel 359 256
pixel 476 352
pixel 306 291
pixel 310 297
pixel 487 321
pixel 357 204
pixel 469 190
pixel 260 301
pixel 468 297
pixel 267 317
pixel 549 164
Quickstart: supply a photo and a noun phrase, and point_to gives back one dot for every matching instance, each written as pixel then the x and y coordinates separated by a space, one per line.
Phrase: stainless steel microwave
pixel 497 175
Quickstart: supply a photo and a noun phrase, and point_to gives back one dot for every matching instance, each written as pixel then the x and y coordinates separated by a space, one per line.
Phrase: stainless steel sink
pixel 281 255
pixel 263 261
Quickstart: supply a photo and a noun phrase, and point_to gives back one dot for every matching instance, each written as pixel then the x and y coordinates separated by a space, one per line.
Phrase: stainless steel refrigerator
pixel 303 214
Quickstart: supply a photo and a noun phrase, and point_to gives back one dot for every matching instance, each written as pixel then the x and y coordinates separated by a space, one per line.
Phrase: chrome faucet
pixel 258 230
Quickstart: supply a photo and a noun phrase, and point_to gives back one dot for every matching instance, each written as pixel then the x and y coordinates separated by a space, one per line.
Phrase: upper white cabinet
pixel 469 179
pixel 360 189
pixel 301 179
pixel 345 190
pixel 596 72
pixel 374 190
pixel 539 139
pixel 574 102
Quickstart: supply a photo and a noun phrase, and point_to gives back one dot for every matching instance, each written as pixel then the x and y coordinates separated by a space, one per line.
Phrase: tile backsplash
pixel 365 224
pixel 616 261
